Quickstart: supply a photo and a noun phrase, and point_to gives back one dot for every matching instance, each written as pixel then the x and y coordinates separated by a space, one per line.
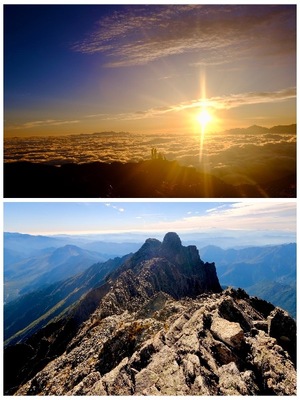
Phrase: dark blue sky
pixel 37 49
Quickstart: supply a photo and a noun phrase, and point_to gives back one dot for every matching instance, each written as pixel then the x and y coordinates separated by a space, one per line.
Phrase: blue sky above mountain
pixel 264 221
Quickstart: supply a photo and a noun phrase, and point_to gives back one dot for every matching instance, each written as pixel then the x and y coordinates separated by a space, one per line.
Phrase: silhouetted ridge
pixel 148 250
pixel 171 241
pixel 187 258
pixel 166 266
pixel 184 261
pixel 144 179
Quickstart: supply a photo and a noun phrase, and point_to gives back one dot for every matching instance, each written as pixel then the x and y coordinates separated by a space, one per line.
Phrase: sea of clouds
pixel 236 158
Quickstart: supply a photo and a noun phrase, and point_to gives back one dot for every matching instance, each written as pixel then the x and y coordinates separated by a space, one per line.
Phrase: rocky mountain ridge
pixel 217 344
pixel 159 325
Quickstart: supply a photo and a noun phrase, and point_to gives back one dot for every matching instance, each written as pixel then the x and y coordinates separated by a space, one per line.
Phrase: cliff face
pixel 160 325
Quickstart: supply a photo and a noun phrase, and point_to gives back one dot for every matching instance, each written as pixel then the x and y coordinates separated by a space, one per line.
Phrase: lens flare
pixel 204 118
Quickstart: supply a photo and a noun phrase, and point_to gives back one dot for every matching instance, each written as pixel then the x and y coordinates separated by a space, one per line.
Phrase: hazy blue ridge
pixel 34 310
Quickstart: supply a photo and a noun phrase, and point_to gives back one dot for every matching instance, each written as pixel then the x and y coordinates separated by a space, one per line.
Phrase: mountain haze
pixel 46 267
pixel 32 262
pixel 30 312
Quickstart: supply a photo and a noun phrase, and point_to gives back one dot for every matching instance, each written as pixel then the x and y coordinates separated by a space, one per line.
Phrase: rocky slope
pixel 217 344
pixel 160 325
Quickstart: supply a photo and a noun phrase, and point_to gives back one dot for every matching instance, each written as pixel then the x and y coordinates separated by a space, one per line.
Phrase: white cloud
pixel 240 216
pixel 120 209
pixel 40 123
pixel 211 210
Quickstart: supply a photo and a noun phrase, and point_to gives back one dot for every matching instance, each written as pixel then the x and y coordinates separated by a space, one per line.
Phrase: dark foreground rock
pixel 151 178
pixel 178 347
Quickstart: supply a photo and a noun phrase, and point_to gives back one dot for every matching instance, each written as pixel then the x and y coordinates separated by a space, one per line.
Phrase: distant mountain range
pixel 25 244
pixel 46 268
pixel 287 129
pixel 268 272
pixel 291 128
pixel 30 312
pixel 34 261
pixel 153 323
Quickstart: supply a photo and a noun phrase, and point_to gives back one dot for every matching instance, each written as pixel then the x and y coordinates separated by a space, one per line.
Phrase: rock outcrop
pixel 162 326
pixel 171 347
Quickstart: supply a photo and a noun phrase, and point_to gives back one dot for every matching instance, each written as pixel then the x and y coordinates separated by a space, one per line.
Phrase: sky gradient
pixel 82 69
pixel 262 222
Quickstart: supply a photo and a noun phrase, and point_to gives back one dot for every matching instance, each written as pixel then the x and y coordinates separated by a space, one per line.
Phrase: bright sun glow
pixel 204 117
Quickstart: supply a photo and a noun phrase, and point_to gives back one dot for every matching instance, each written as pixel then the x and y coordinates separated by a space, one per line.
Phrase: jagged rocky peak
pixel 169 247
pixel 172 242
pixel 168 266
pixel 151 243
pixel 173 249
pixel 148 250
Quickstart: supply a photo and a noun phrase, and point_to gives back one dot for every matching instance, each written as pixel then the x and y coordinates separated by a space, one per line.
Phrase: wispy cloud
pixel 120 209
pixel 137 35
pixel 252 216
pixel 225 102
pixel 236 100
pixel 41 123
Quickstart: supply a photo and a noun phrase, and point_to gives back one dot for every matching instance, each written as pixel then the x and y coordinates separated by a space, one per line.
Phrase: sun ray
pixel 203 116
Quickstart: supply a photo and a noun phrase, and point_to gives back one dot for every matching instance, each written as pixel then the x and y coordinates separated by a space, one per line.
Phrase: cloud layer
pixel 235 158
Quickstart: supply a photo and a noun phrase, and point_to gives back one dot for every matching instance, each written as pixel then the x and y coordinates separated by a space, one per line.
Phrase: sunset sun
pixel 204 118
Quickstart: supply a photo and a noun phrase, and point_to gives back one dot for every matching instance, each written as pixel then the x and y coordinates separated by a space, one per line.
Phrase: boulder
pixel 228 332
pixel 282 327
